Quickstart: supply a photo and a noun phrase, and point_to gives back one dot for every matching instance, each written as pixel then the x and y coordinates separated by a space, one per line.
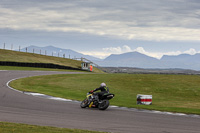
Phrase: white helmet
pixel 103 84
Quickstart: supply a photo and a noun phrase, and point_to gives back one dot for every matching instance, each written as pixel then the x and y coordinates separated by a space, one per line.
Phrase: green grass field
pixel 6 127
pixel 174 93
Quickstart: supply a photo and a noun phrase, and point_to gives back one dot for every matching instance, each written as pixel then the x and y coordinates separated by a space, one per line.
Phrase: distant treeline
pixel 150 71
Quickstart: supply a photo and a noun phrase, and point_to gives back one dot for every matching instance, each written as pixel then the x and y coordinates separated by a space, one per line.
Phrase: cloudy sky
pixel 103 27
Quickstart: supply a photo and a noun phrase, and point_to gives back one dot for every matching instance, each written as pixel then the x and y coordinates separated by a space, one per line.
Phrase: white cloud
pixel 152 54
pixel 97 54
pixel 108 51
pixel 113 50
pixel 126 48
pixel 191 51
pixel 140 50
pixel 119 50
pixel 159 55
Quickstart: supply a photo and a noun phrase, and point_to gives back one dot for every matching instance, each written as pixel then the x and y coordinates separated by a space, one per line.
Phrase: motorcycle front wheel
pixel 84 103
pixel 103 105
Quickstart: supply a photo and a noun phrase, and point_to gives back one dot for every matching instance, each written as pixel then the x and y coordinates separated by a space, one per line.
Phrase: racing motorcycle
pixel 93 101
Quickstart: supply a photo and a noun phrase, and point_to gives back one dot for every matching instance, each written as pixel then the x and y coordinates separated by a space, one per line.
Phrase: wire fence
pixel 48 53
pixel 39 51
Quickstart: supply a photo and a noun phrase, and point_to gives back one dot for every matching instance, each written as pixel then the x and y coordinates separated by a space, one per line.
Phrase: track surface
pixel 21 108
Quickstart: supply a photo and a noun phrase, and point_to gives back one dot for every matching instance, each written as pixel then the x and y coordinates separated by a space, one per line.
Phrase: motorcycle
pixel 93 101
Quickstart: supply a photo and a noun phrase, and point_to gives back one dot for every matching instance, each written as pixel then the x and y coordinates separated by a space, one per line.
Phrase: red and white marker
pixel 144 99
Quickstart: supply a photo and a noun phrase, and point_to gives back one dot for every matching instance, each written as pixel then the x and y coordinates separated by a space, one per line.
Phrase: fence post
pixel 19 48
pixel 4 47
pixel 11 46
pixel 45 52
pixel 26 49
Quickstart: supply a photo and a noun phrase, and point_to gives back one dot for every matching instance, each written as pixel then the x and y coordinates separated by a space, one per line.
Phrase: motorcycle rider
pixel 104 89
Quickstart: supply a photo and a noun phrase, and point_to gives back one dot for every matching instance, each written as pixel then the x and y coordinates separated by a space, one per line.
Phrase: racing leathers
pixel 103 90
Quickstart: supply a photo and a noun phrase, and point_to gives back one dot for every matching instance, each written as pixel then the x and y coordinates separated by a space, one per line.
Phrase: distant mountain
pixel 54 51
pixel 182 58
pixel 184 61
pixel 130 59
pixel 138 60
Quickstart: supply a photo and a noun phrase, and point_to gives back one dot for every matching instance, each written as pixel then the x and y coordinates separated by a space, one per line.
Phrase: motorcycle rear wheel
pixel 84 103
pixel 103 105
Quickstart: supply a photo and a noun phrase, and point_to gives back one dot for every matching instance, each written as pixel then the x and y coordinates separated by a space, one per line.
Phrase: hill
pixel 29 58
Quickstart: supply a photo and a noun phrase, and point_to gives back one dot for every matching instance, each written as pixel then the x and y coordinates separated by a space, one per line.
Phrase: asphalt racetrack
pixel 21 108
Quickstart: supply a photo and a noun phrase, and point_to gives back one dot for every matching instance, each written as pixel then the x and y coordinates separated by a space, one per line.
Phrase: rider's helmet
pixel 103 85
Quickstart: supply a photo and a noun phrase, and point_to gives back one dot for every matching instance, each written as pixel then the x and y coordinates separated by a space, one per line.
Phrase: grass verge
pixel 174 93
pixel 15 56
pixel 6 127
